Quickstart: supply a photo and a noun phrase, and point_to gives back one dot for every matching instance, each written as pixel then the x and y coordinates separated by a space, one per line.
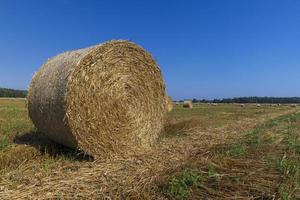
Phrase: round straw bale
pixel 187 104
pixel 108 98
pixel 169 103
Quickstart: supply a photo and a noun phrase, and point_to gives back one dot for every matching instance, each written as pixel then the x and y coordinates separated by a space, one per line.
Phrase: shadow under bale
pixel 46 146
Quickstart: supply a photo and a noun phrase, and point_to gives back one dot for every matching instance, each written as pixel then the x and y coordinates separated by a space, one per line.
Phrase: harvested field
pixel 222 152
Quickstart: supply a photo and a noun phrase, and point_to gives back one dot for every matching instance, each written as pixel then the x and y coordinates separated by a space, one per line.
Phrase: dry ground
pixel 209 152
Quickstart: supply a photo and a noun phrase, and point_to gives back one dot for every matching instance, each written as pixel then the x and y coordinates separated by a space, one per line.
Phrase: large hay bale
pixel 169 103
pixel 187 104
pixel 102 99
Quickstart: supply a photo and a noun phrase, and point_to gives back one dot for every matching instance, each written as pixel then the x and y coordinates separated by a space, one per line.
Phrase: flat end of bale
pixel 121 93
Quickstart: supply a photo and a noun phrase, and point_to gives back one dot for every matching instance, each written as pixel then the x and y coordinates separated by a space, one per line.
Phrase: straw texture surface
pixel 169 103
pixel 105 99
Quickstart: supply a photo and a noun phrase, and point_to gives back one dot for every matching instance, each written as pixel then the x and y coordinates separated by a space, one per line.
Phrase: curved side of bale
pixel 46 94
pixel 169 103
pixel 187 104
pixel 105 99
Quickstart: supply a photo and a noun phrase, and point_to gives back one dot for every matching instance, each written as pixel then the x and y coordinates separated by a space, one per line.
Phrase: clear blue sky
pixel 205 48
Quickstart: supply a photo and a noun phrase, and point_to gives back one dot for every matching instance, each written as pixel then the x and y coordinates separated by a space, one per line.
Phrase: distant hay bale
pixel 274 105
pixel 242 105
pixel 187 104
pixel 258 105
pixel 108 98
pixel 169 103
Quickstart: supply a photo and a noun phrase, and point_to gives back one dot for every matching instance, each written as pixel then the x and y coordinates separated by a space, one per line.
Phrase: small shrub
pixel 271 123
pixel 284 195
pixel 253 137
pixel 292 142
pixel 285 165
pixel 213 174
pixel 3 144
pixel 238 149
pixel 179 186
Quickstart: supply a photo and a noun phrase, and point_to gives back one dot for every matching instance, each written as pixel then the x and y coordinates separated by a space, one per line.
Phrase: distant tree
pixel 217 101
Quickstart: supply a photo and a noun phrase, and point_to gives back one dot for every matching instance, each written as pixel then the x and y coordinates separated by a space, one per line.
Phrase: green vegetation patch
pixel 3 144
pixel 238 149
pixel 180 186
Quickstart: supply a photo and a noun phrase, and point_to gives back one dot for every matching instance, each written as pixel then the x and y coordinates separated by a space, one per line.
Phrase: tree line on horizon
pixel 259 100
pixel 12 93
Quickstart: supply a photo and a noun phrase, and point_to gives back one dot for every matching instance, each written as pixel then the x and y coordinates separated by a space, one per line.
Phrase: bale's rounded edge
pixel 110 99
